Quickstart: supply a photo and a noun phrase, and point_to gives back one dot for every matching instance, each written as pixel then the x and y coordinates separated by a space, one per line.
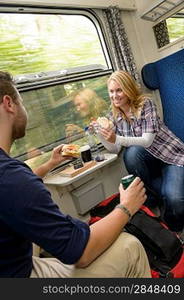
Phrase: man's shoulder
pixel 8 163
pixel 19 186
pixel 14 172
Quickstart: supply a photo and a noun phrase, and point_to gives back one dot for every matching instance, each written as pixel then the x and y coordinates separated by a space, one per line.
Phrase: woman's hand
pixel 108 134
pixel 72 129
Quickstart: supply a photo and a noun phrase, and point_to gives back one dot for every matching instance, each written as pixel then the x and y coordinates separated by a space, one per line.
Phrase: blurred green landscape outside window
pixel 34 43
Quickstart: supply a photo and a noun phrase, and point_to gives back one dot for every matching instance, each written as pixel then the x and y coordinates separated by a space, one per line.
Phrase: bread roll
pixel 104 123
pixel 71 150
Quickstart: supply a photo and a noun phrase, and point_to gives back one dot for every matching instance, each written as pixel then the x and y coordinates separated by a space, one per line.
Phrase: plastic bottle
pixel 91 140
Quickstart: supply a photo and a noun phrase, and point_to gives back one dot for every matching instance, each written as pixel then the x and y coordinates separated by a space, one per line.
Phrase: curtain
pixel 123 57
pixel 161 34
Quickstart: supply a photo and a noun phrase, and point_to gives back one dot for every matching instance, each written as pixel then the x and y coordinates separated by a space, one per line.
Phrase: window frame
pixel 43 79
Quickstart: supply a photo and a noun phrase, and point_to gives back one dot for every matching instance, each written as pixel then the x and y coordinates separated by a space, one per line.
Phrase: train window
pixel 175 25
pixel 170 30
pixel 39 43
pixel 60 61
pixel 60 116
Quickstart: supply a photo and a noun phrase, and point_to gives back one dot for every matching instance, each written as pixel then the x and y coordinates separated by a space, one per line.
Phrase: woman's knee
pixel 174 202
pixel 133 155
pixel 133 151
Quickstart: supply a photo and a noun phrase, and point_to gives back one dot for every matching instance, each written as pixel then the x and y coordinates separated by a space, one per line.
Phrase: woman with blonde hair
pixel 89 106
pixel 152 151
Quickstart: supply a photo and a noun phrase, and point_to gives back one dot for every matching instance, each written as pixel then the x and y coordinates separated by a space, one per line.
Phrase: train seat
pixel 167 75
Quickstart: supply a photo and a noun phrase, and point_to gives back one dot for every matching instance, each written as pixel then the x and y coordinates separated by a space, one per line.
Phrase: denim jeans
pixel 164 183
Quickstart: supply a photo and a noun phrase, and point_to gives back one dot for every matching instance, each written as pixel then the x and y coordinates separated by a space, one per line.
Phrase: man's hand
pixel 56 156
pixel 55 159
pixel 134 196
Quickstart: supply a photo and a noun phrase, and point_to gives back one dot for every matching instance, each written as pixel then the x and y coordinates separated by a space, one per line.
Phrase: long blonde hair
pixel 131 89
pixel 96 104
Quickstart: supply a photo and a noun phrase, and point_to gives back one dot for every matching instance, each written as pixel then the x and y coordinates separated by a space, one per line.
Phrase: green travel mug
pixel 127 180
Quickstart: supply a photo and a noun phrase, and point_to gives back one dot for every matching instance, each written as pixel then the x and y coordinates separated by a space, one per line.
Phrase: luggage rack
pixel 161 8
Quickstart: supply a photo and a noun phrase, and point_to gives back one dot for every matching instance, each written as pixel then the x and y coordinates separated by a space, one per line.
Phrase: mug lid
pixel 84 148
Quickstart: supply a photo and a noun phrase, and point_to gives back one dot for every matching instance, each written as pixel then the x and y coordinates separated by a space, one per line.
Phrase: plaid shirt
pixel 166 146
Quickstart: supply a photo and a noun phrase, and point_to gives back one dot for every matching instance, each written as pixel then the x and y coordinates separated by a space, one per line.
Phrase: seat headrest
pixel 167 75
pixel 149 76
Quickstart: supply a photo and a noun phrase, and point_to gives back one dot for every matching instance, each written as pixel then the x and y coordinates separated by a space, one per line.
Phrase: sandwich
pixel 71 150
pixel 104 122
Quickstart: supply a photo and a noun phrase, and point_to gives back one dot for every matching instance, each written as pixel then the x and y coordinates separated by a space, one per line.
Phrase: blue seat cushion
pixel 167 75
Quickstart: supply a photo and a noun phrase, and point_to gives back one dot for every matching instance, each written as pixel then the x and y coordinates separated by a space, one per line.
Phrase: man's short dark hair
pixel 7 86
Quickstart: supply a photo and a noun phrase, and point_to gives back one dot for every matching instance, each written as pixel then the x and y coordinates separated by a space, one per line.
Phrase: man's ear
pixel 8 103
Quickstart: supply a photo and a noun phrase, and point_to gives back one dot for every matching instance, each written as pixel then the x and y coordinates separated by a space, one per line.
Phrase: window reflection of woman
pixel 89 106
